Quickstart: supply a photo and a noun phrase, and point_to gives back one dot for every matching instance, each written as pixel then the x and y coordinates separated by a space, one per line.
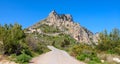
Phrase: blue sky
pixel 96 15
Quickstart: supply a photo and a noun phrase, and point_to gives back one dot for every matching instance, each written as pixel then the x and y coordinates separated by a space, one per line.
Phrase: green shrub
pixel 111 51
pixel 96 59
pixel 81 57
pixel 93 62
pixel 12 36
pixel 23 58
pixel 117 50
pixel 49 29
pixel 91 57
pixel 85 53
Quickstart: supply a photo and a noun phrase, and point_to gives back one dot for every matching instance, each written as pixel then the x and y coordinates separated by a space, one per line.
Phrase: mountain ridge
pixel 65 24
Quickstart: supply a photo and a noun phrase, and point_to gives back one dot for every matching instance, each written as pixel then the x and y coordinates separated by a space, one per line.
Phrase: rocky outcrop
pixel 66 24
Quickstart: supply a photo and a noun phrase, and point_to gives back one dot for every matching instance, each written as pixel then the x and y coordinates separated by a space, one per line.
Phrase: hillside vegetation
pixel 107 48
pixel 22 47
pixel 15 43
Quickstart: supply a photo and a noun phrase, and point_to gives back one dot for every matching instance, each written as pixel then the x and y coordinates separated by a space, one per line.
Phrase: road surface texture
pixel 55 56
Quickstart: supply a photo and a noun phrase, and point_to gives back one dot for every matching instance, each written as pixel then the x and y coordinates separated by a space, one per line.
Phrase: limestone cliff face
pixel 66 24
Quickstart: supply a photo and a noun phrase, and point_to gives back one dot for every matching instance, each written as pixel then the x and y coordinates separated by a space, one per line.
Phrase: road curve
pixel 55 56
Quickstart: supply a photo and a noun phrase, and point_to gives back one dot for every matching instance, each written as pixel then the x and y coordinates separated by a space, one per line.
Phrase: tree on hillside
pixel 110 41
pixel 12 37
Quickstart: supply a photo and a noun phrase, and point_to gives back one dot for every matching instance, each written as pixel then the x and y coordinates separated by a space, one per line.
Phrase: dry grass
pixel 108 57
pixel 5 60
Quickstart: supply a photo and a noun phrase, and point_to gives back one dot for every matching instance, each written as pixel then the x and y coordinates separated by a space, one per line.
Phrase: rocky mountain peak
pixel 66 24
pixel 53 14
pixel 53 17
